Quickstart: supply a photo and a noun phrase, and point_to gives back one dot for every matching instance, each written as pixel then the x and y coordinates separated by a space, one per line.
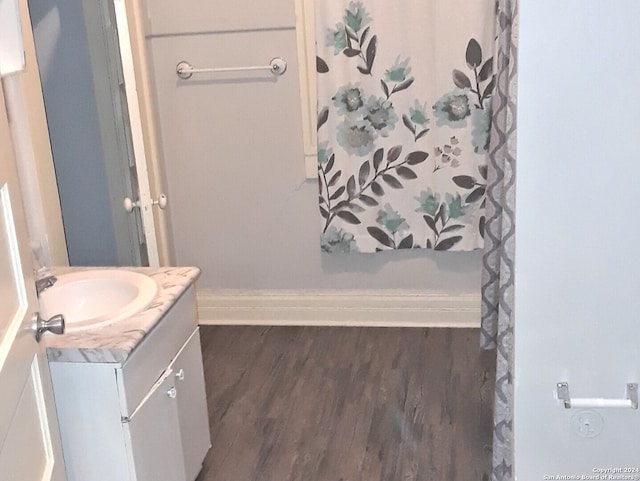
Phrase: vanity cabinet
pixel 144 419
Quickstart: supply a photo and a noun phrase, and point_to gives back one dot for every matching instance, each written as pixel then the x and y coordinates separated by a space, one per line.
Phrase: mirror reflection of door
pixel 88 113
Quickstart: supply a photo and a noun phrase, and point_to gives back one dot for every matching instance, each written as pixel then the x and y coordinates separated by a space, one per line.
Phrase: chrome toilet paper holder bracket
pixel 630 401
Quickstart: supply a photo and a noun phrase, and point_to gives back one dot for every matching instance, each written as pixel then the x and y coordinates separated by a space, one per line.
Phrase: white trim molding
pixel 338 308
pixel 306 38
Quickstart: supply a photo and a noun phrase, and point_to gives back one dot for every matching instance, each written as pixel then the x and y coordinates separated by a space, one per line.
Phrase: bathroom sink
pixel 95 298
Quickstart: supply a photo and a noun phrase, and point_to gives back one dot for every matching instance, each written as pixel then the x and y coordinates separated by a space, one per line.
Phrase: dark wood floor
pixel 347 404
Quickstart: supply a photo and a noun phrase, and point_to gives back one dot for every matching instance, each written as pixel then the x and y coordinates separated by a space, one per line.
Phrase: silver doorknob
pixel 55 325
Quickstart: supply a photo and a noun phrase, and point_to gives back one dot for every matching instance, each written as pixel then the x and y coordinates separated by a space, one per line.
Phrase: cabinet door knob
pixel 172 393
pixel 180 375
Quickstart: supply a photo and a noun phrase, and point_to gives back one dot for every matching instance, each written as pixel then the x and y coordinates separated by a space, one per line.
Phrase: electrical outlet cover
pixel 587 424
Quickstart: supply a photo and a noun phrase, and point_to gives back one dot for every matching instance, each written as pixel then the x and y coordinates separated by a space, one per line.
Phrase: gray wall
pixel 65 70
pixel 577 259
pixel 240 207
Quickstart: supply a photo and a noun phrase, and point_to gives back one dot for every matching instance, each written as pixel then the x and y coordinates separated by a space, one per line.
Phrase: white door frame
pixel 145 201
pixel 137 21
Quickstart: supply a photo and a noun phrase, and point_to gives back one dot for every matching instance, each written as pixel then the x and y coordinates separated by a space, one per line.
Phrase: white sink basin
pixel 94 298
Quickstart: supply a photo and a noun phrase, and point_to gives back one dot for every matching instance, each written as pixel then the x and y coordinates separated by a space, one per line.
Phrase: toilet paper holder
pixel 631 400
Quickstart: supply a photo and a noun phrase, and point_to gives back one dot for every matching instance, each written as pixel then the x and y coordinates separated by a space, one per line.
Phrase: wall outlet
pixel 587 424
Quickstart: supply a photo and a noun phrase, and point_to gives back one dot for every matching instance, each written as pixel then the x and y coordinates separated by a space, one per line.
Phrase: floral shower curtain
pixel 404 99
pixel 407 97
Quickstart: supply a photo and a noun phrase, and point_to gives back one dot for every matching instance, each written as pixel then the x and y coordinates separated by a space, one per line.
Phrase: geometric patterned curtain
pixel 499 251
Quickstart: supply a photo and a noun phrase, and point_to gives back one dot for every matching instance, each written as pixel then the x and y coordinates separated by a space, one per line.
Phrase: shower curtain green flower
pixel 404 100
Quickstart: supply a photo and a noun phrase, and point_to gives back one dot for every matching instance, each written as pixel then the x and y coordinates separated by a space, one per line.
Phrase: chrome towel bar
pixel 277 66
pixel 631 401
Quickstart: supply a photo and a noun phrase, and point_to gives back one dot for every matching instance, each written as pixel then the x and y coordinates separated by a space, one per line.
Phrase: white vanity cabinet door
pixel 88 406
pixel 145 420
pixel 192 405
pixel 153 433
pixel 150 358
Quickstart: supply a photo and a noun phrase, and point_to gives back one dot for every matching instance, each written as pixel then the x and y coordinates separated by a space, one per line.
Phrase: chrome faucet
pixel 45 283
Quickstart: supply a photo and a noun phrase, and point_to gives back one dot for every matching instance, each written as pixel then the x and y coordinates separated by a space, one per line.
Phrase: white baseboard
pixel 333 308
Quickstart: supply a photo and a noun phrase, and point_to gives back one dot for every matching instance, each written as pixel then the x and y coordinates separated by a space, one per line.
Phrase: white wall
pixel 577 260
pixel 239 204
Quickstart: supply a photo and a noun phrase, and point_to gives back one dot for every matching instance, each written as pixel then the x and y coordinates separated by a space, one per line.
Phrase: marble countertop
pixel 114 343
